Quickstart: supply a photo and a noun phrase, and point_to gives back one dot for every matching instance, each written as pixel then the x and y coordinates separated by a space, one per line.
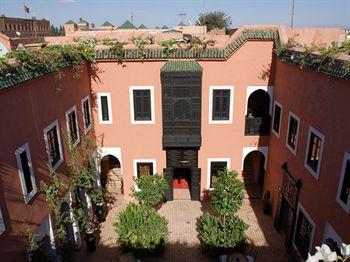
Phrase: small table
pixel 237 257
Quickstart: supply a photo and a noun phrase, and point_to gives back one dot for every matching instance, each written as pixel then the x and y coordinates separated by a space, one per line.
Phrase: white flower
pixel 312 258
pixel 323 253
pixel 345 250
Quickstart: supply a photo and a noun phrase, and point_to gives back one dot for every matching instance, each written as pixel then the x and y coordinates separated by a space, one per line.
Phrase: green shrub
pixel 222 233
pixel 141 230
pixel 228 193
pixel 151 189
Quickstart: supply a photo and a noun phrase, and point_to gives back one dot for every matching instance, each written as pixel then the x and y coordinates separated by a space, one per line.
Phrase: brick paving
pixel 184 244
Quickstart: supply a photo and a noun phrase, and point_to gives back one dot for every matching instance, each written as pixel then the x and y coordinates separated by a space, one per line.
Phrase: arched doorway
pixel 254 173
pixel 111 176
pixel 258 117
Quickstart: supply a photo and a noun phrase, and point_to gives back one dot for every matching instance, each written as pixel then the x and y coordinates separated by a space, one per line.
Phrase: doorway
pixel 182 183
pixel 253 174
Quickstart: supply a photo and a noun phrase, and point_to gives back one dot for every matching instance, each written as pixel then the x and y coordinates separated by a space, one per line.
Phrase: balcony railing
pixel 257 126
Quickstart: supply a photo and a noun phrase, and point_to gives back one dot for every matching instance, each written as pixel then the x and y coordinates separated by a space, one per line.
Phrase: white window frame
pixel 136 161
pixel 211 93
pixel 132 112
pixel 109 105
pixel 27 195
pixel 293 151
pixel 73 109
pixel 318 134
pixel 210 160
pixel 300 207
pixel 86 99
pixel 341 181
pixel 329 232
pixel 47 129
pixel 275 103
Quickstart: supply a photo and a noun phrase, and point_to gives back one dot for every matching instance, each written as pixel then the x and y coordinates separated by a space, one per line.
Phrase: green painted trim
pixel 181 66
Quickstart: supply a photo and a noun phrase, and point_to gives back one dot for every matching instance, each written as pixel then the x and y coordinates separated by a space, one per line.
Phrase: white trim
pixel 252 89
pixel 293 151
pixel 340 185
pixel 27 195
pixel 87 98
pixel 135 161
pixel 300 207
pixel 104 151
pixel 75 224
pixel 2 224
pixel 319 135
pixel 47 129
pixel 275 103
pixel 329 232
pixel 211 92
pixel 109 105
pixel 132 113
pixel 262 149
pixel 71 110
pixel 210 160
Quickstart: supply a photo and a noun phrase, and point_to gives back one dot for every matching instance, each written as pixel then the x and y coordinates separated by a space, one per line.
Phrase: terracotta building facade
pixel 283 129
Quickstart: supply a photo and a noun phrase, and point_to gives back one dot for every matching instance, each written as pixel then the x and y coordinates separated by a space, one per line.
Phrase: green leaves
pixel 151 189
pixel 228 194
pixel 141 229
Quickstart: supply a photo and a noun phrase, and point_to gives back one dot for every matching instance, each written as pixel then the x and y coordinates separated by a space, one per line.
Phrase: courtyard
pixel 263 243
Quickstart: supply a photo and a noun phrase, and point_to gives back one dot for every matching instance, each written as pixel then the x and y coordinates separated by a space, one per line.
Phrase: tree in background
pixel 215 19
pixel 57 31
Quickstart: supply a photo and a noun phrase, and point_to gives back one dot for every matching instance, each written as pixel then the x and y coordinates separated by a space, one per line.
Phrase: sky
pixel 308 13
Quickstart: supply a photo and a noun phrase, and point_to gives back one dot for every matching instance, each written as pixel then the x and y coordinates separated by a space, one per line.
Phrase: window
pixel 214 166
pixel 105 108
pixel 182 110
pixel 26 173
pixel 293 132
pixel 144 167
pixel 220 104
pixel 2 224
pixel 86 113
pixel 142 104
pixel 304 232
pixel 343 195
pixel 277 116
pixel 53 145
pixel 314 152
pixel 72 125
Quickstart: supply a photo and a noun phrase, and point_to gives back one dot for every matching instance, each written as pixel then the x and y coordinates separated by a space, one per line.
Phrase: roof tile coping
pixel 181 66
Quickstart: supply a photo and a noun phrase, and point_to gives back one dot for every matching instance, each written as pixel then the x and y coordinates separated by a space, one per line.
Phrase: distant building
pixel 127 25
pixel 70 27
pixel 142 26
pixel 19 30
pixel 83 24
pixel 107 26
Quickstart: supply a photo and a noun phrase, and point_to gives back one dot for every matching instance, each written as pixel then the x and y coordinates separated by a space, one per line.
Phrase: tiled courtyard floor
pixel 183 241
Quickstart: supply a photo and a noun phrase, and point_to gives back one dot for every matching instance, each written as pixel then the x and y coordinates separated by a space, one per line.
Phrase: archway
pixel 253 173
pixel 111 176
pixel 258 117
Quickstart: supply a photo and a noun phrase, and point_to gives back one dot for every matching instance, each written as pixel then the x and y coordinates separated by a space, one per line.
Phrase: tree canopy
pixel 215 19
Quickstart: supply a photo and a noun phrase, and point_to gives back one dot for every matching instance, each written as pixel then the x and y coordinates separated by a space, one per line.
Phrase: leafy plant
pixel 141 230
pixel 169 46
pixel 116 47
pixel 228 195
pixel 222 233
pixel 197 42
pixel 32 245
pixel 140 43
pixel 151 189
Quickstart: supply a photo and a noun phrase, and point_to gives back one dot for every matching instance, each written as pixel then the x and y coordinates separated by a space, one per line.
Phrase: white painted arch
pixel 252 89
pixel 262 149
pixel 104 151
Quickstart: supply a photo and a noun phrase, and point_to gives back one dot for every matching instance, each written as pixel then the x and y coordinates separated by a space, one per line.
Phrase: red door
pixel 181 178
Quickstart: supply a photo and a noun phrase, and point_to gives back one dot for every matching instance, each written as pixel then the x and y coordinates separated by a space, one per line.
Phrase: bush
pixel 141 230
pixel 151 189
pixel 228 193
pixel 222 233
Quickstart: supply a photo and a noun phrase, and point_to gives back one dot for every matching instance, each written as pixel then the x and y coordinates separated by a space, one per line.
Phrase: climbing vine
pixel 116 47
pixel 169 46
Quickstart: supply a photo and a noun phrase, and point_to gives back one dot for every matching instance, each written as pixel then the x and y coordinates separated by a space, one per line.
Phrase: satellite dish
pixel 18 33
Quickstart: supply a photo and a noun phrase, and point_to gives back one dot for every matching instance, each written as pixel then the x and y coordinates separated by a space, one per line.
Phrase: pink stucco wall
pixel 245 68
pixel 26 110
pixel 322 102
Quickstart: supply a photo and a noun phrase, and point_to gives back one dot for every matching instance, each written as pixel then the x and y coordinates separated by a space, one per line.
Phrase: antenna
pixel 293 9
pixel 132 17
pixel 182 15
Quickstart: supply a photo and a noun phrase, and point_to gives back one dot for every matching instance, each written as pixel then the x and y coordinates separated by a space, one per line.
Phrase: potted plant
pixel 266 202
pixel 100 212
pixel 90 238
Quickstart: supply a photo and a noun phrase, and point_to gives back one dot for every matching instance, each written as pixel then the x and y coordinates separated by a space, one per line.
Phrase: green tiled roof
pixel 181 66
pixel 107 24
pixel 70 22
pixel 165 27
pixel 127 25
pixel 82 21
pixel 181 24
pixel 142 26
